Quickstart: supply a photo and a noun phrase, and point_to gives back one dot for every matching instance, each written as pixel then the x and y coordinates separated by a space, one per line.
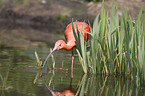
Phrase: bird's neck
pixel 69 45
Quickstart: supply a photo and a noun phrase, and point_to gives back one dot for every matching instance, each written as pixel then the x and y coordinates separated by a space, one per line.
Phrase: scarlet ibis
pixel 70 39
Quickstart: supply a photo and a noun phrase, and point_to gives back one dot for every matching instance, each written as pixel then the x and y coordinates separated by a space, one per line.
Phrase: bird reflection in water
pixel 66 92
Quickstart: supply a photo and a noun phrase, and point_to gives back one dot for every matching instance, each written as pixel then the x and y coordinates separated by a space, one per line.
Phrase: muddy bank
pixel 52 14
pixel 28 21
pixel 58 13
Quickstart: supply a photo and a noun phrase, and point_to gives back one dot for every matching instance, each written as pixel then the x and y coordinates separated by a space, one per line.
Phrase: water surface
pixel 18 67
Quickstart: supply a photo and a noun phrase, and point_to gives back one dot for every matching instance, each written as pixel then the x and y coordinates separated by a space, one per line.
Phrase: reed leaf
pixel 80 45
pixel 116 45
pixel 37 59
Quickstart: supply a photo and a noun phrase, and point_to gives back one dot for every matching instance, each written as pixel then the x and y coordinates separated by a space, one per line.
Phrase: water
pixel 18 63
pixel 18 67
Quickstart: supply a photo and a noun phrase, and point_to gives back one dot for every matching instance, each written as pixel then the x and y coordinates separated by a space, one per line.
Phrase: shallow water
pixel 18 67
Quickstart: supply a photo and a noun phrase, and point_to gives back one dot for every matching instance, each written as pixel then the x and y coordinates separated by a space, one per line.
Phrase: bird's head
pixel 60 44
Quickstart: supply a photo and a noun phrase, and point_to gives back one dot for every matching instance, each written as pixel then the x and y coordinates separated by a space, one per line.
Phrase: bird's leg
pixel 72 64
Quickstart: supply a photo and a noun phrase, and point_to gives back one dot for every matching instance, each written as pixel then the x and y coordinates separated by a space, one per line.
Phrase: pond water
pixel 18 69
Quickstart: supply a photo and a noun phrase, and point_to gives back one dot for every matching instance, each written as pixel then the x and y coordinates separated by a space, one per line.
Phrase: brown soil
pixel 38 21
pixel 60 12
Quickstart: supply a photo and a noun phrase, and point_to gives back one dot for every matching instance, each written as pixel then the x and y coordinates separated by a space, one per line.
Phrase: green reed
pixel 39 62
pixel 116 46
pixel 4 81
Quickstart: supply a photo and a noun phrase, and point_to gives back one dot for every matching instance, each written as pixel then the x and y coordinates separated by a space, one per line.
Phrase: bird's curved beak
pixel 55 48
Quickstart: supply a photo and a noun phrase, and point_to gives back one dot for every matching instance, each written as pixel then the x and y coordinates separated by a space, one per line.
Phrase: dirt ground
pixel 49 12
pixel 37 19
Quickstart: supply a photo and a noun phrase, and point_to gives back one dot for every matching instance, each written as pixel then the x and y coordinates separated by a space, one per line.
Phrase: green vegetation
pixel 0 3
pixel 116 46
pixel 39 62
pixel 61 16
pixel 4 81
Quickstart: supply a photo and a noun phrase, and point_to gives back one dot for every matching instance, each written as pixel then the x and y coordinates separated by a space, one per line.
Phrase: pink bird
pixel 70 39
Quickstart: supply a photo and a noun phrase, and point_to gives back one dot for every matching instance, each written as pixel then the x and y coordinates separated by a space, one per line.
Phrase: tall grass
pixel 116 46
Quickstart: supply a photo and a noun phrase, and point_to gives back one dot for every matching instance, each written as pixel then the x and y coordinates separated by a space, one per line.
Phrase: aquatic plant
pixel 53 59
pixel 4 81
pixel 39 62
pixel 116 45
